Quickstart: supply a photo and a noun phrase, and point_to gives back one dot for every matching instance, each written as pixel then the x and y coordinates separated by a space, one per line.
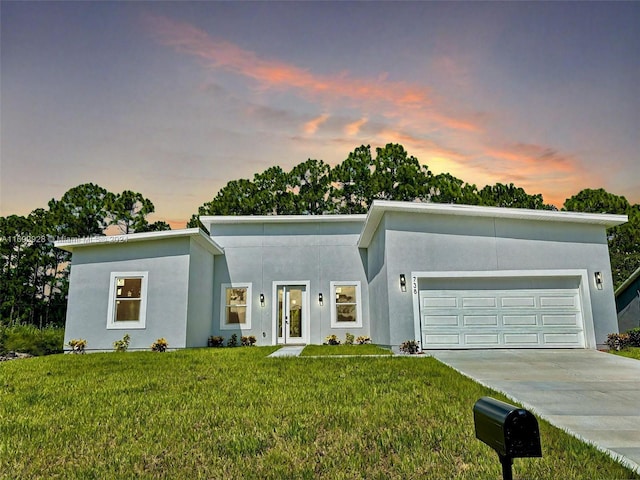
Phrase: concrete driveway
pixel 592 395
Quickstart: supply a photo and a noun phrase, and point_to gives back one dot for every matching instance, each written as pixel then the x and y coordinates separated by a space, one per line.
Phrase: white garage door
pixel 501 318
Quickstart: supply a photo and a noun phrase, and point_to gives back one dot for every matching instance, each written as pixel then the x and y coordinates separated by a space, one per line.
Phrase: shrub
pixel 618 341
pixel 233 341
pixel 362 340
pixel 215 341
pixel 634 337
pixel 331 340
pixel 160 345
pixel 77 345
pixel 249 341
pixel 32 340
pixel 409 346
pixel 122 345
pixel 348 339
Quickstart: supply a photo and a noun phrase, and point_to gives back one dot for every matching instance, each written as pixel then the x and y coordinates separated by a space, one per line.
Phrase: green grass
pixel 631 352
pixel 329 350
pixel 233 413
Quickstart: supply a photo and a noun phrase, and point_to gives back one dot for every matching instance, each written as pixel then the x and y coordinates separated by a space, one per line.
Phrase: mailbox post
pixel 511 431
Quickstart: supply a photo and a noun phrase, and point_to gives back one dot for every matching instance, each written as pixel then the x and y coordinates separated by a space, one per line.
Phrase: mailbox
pixel 511 431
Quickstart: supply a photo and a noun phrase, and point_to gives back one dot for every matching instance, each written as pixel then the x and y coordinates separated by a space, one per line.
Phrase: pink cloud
pixel 400 98
pixel 312 125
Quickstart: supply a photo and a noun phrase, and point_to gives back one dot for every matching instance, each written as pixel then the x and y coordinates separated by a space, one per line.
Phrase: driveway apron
pixel 593 395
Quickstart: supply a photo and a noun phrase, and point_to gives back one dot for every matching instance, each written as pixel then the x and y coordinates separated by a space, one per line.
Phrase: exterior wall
pixel 167 262
pixel 379 287
pixel 264 253
pixel 200 298
pixel 432 243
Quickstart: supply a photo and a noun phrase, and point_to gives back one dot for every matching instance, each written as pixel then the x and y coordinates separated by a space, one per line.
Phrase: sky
pixel 175 99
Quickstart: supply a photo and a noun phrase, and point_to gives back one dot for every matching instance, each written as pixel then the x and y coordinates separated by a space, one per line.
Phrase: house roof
pixel 209 220
pixel 632 278
pixel 379 207
pixel 195 233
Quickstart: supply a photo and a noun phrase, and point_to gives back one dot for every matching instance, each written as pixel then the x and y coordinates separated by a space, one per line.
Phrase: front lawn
pixel 631 352
pixel 330 350
pixel 234 413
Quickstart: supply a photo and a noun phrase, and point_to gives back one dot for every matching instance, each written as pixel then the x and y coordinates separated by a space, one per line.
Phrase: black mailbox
pixel 511 431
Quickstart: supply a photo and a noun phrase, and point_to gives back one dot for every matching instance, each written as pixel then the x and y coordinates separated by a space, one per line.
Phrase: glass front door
pixel 290 313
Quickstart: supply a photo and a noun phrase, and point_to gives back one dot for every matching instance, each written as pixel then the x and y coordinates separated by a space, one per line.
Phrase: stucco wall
pixel 289 252
pixel 200 303
pixel 167 264
pixel 442 243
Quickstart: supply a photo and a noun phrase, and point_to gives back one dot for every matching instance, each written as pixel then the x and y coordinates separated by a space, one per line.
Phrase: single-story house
pixel 628 302
pixel 447 276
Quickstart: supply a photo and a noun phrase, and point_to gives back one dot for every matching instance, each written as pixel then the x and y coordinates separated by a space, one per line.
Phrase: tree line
pixel 35 274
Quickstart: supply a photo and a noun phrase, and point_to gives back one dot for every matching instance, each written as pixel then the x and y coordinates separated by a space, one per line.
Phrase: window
pixel 346 310
pixel 236 306
pixel 127 300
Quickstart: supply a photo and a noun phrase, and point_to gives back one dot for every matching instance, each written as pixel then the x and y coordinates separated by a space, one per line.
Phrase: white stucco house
pixel 448 276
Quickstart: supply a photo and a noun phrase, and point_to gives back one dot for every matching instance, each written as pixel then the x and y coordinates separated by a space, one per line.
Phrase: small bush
pixel 215 341
pixel 348 339
pixel 160 345
pixel 634 337
pixel 409 346
pixel 362 340
pixel 331 340
pixel 32 340
pixel 618 341
pixel 122 345
pixel 249 341
pixel 233 341
pixel 77 345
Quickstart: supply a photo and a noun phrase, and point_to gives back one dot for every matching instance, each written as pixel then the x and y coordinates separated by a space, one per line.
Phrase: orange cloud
pixel 311 126
pixel 354 127
pixel 401 98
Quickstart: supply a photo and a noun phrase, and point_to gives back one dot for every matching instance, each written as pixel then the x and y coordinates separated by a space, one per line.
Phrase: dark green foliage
pixel 634 337
pixel 123 344
pixel 215 341
pixel 32 340
pixel 233 341
pixel 409 346
pixel 35 274
pixel 249 341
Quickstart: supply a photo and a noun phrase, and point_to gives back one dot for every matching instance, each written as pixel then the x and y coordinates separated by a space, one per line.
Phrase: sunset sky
pixel 174 100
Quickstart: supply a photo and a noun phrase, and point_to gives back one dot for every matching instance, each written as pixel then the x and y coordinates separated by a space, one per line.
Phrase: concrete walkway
pixel 593 395
pixel 288 351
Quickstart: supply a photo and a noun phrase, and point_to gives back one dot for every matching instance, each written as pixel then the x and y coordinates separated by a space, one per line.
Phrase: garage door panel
pixel 520 339
pixel 484 318
pixel 518 302
pixel 491 320
pixel 559 301
pixel 441 320
pixel 482 339
pixel 443 339
pixel 440 302
pixel 530 320
pixel 471 302
pixel 568 320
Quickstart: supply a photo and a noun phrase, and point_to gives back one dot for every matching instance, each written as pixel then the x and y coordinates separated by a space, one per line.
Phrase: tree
pixel 352 177
pixel 445 188
pixel 510 196
pixel 82 212
pixel 624 240
pixel 128 211
pixel 311 183
pixel 398 176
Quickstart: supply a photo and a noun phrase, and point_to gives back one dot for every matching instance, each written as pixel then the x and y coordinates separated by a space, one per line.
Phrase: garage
pixel 514 312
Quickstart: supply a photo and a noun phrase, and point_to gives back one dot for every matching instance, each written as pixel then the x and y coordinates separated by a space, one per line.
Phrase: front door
pixel 291 313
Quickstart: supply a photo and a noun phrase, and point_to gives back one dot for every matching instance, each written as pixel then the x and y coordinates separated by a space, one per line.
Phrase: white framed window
pixel 127 300
pixel 235 306
pixel 346 305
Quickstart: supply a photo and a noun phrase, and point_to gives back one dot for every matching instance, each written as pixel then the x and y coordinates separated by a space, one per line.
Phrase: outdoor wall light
pixel 262 299
pixel 598 278
pixel 403 282
pixel 320 299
